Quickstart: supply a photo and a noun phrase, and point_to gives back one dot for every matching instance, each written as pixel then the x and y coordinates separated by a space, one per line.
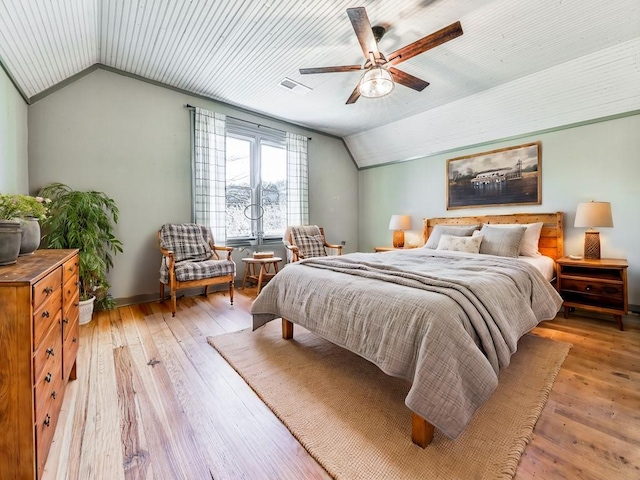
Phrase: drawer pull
pixel 47 420
pixel 75 339
pixel 48 290
pixel 50 352
pixel 45 314
pixel 65 320
pixel 76 304
pixel 588 288
pixel 47 378
pixel 54 394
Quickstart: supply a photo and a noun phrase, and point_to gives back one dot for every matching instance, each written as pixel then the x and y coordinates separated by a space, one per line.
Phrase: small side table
pixel 596 285
pixel 260 270
pixel 389 249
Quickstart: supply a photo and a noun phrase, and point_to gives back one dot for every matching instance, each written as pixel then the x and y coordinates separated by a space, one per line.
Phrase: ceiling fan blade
pixel 346 68
pixel 403 78
pixel 355 95
pixel 362 27
pixel 426 43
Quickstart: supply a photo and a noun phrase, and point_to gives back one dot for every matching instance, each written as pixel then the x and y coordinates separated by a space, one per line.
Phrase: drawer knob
pixel 50 352
pixel 48 290
pixel 45 314
pixel 47 378
pixel 65 320
pixel 588 288
pixel 76 304
pixel 47 420
pixel 54 394
pixel 75 339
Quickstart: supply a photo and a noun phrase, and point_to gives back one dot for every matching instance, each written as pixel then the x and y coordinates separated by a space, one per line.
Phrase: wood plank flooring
pixel 154 401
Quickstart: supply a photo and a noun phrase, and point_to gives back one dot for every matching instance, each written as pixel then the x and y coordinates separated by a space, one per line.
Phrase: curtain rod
pixel 191 107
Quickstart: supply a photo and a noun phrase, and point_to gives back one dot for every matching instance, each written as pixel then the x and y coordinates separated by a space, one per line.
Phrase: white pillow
pixel 460 244
pixel 529 245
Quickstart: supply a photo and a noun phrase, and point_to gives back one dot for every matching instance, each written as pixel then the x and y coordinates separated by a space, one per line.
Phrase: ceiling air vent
pixel 294 86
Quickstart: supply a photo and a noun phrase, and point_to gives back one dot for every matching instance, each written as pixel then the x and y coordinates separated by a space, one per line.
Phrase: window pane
pixel 238 187
pixel 274 183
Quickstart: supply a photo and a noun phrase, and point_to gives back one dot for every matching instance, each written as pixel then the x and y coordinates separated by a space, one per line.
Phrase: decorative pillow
pixel 439 230
pixel 311 246
pixel 460 244
pixel 504 242
pixel 529 245
pixel 186 241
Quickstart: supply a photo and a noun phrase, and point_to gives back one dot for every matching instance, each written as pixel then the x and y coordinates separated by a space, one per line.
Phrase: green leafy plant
pixel 13 206
pixel 84 220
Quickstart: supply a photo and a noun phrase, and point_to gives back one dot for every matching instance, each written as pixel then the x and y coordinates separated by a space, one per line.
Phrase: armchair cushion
pixel 189 270
pixel 186 240
pixel 309 241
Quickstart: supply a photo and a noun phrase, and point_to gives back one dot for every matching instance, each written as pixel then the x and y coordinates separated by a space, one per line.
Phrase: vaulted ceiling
pixel 512 53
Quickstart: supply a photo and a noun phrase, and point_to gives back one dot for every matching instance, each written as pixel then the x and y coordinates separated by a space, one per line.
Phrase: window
pixel 256 181
pixel 249 181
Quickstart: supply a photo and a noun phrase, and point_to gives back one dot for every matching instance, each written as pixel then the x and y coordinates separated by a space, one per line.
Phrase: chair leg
pixel 173 303
pixel 161 292
pixel 206 287
pixel 231 291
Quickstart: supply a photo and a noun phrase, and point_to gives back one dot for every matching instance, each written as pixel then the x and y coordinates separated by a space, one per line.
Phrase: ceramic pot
pixel 30 240
pixel 86 310
pixel 10 238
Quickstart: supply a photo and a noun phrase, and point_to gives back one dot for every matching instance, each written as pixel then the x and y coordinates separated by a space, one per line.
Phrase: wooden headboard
pixel 551 238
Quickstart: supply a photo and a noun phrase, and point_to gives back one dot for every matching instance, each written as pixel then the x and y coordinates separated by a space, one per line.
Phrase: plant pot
pixel 30 240
pixel 86 310
pixel 10 238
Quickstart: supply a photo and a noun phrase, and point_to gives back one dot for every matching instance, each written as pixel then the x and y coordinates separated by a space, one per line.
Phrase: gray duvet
pixel 446 322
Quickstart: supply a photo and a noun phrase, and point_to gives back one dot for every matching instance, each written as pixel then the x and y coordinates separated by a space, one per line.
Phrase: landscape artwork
pixel 509 176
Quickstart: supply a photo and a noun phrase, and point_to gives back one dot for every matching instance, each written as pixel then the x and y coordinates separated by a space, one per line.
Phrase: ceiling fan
pixel 380 75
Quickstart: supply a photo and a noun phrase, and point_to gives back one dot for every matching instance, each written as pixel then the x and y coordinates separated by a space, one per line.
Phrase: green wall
pixel 599 161
pixel 130 139
pixel 13 138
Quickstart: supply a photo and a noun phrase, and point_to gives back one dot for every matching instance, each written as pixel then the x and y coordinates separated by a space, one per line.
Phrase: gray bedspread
pixel 446 322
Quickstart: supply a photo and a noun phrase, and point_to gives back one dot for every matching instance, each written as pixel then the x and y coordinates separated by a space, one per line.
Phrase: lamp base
pixel 592 245
pixel 398 239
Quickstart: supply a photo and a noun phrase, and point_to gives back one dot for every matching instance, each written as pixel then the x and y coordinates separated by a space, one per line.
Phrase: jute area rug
pixel 352 419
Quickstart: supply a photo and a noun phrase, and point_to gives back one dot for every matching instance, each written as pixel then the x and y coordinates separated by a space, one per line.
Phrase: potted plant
pixel 19 227
pixel 85 220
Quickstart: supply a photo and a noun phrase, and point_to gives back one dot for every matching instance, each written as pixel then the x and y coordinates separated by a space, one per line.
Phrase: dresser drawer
pixel 45 427
pixel 46 287
pixel 45 316
pixel 48 388
pixel 48 356
pixel 70 350
pixel 71 306
pixel 70 270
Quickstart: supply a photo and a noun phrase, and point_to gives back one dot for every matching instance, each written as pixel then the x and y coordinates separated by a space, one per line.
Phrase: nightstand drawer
pixel 593 287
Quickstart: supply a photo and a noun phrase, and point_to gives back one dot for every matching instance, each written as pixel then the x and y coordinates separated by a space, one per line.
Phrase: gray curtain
pixel 297 180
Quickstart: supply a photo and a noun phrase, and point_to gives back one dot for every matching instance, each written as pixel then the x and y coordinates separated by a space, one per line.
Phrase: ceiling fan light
pixel 376 83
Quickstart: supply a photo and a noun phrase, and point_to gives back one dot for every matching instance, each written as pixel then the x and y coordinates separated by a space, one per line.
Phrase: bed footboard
pixel 421 430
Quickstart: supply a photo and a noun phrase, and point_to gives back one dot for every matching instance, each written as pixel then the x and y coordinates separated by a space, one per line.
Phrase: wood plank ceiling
pixel 238 52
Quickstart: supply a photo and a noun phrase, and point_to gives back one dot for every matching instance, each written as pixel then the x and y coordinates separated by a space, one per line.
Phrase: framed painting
pixel 508 176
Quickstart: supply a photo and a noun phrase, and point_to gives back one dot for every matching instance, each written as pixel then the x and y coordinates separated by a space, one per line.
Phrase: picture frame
pixel 507 176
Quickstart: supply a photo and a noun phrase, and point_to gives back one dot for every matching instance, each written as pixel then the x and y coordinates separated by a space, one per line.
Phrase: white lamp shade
pixel 400 222
pixel 593 214
pixel 375 83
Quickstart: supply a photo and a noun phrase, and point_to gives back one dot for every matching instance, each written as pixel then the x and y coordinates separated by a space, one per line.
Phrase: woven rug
pixel 352 419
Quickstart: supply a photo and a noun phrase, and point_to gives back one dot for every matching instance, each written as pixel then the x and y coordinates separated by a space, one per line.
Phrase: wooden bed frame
pixel 550 244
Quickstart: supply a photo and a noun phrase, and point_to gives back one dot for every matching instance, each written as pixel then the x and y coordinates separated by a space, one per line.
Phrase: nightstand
pixel 389 249
pixel 596 285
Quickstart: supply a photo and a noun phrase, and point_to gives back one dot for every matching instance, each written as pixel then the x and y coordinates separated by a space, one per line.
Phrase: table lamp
pixel 590 215
pixel 399 223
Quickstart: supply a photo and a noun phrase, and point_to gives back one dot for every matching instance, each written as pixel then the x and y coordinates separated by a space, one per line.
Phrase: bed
pixel 446 321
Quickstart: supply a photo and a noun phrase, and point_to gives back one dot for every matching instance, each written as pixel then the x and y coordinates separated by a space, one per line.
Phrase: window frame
pixel 256 135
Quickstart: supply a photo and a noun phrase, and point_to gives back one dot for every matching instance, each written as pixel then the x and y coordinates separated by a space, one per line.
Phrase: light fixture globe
pixel 376 83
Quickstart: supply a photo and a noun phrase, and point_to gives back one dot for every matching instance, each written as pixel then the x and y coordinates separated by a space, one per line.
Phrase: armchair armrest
pixel 294 252
pixel 223 248
pixel 336 247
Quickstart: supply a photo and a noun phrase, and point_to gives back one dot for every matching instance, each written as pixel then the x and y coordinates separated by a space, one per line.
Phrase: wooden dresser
pixel 38 346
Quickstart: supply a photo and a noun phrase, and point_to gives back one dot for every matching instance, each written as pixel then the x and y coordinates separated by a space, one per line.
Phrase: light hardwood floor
pixel 154 400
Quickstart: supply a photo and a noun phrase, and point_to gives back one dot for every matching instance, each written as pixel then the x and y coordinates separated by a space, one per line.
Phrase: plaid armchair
pixel 307 241
pixel 190 259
